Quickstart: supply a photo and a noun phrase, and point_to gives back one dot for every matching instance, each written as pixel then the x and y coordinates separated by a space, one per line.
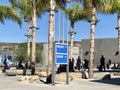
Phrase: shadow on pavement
pixel 113 81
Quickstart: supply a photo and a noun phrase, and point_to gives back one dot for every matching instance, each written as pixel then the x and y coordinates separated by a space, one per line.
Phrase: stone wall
pixel 7 48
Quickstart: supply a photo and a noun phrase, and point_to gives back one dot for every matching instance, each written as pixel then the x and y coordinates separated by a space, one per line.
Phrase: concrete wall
pixel 106 47
pixel 76 50
pixel 45 54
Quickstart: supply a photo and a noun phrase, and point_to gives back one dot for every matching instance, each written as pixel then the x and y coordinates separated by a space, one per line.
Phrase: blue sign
pixel 61 53
pixel 61 48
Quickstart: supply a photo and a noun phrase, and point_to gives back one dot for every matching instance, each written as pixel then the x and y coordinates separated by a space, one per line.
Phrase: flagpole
pixel 67 75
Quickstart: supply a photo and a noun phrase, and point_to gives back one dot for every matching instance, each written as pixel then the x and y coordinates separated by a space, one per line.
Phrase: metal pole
pixel 53 71
pixel 59 26
pixel 118 38
pixel 67 75
pixel 63 29
pixel 81 57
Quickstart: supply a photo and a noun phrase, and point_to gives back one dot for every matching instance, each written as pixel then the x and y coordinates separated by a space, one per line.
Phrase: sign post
pixel 61 57
pixel 61 53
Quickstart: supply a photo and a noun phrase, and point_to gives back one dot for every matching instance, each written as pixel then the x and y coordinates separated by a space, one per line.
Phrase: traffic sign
pixel 61 53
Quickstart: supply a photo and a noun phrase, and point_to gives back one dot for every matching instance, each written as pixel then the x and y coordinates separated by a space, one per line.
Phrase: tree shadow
pixel 113 81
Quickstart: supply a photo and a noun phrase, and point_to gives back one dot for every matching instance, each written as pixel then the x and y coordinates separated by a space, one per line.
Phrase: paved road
pixel 11 83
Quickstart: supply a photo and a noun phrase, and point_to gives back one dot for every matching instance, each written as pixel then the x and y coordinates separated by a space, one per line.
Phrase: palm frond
pixel 61 4
pixel 25 7
pixel 9 13
pixel 76 13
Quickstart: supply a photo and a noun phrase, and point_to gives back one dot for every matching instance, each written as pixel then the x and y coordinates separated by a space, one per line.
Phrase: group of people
pixel 81 64
pixel 109 65
pixel 8 64
pixel 26 66
pixel 74 65
pixel 78 64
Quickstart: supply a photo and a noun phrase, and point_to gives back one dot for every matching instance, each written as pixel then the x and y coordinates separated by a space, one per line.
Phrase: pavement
pixel 11 83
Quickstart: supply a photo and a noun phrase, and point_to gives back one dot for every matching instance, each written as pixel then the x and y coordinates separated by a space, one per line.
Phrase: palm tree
pixel 91 55
pixel 53 5
pixel 7 12
pixel 30 10
pixel 37 8
pixel 23 8
pixel 112 7
pixel 74 14
pixel 40 9
pixel 51 36
pixel 91 5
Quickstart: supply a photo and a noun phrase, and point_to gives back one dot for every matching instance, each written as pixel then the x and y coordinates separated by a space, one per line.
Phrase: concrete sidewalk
pixel 11 83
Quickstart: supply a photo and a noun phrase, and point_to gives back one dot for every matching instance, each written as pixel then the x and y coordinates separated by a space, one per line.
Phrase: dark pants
pixel 24 71
pixel 5 67
pixel 32 70
pixel 101 67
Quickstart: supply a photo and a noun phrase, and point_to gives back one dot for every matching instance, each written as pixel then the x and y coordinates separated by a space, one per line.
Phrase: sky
pixel 11 32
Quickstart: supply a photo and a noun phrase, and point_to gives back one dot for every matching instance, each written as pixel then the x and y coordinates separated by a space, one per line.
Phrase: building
pixel 9 49
pixel 105 46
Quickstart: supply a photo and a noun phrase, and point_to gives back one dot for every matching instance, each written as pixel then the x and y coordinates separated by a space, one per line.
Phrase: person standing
pixel 102 62
pixel 5 65
pixel 86 64
pixel 78 63
pixel 32 68
pixel 9 63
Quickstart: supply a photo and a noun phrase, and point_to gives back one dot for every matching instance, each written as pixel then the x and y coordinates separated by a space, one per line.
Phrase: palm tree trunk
pixel 119 37
pixel 91 55
pixel 71 41
pixel 51 36
pixel 28 41
pixel 34 34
